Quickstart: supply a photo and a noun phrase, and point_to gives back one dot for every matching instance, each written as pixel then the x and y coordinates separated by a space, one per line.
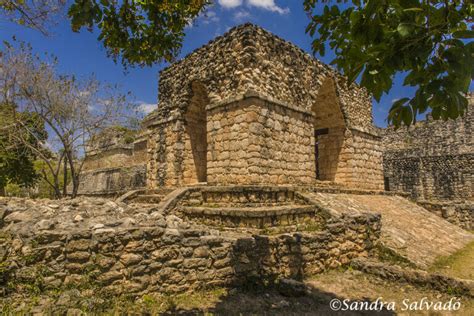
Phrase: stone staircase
pixel 407 228
pixel 248 207
pixel 150 196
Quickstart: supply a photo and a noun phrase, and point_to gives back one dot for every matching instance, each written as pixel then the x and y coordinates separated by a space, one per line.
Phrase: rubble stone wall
pixel 126 256
pixel 459 212
pixel 432 160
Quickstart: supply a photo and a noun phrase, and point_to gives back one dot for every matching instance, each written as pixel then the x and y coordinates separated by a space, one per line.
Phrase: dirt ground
pixel 343 285
pixel 349 284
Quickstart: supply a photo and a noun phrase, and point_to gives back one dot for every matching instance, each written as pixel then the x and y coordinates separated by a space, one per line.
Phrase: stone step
pixel 256 195
pixel 255 217
pixel 199 203
pixel 148 198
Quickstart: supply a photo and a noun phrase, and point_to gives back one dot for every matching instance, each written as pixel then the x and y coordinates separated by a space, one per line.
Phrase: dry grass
pixel 355 285
pixel 349 284
pixel 460 264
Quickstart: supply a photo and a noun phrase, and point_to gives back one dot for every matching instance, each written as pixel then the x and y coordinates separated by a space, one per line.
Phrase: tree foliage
pixel 16 158
pixel 140 32
pixel 73 111
pixel 36 14
pixel 429 40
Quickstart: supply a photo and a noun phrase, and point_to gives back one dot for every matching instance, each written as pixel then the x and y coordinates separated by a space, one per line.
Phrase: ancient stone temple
pixel 432 160
pixel 252 108
pixel 259 163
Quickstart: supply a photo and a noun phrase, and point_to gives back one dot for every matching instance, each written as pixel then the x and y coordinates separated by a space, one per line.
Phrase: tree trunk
pixel 57 187
pixel 75 185
pixel 65 177
pixel 57 192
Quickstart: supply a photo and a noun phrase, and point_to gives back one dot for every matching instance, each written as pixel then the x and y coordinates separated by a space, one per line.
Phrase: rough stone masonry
pixel 250 108
pixel 434 162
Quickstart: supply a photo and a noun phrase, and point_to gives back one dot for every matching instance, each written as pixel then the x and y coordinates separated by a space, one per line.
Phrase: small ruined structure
pixel 432 160
pixel 116 162
pixel 251 108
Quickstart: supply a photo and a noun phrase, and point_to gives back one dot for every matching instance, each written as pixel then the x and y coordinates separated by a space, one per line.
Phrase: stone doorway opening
pixel 196 130
pixel 329 127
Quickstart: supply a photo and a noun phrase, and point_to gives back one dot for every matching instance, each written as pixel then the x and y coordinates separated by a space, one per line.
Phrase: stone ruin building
pixel 432 160
pixel 249 108
pixel 260 162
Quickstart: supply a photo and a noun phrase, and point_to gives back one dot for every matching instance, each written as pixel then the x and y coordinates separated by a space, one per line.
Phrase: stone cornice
pixel 250 94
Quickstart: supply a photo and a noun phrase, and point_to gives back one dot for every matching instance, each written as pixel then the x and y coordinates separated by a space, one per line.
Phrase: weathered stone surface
pixel 432 160
pixel 408 229
pixel 247 108
pixel 182 256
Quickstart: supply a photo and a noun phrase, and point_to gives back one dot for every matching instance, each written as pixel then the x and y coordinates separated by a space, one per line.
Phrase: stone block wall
pixel 330 161
pixel 173 257
pixel 166 153
pixel 432 160
pixel 430 177
pixel 361 161
pixel 254 141
pixel 112 181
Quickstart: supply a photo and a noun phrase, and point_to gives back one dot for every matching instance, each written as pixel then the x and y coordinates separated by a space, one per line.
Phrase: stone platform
pixel 138 248
pixel 407 228
pixel 259 207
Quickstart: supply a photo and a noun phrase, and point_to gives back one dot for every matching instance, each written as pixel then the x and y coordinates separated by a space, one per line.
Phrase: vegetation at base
pixel 386 254
pixel 459 265
pixel 428 41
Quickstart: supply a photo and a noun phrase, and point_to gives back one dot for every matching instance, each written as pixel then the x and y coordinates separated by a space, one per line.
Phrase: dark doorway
pixel 196 128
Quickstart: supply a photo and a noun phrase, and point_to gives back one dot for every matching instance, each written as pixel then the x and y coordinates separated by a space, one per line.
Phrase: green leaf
pixel 404 29
pixel 413 10
pixel 407 115
pixel 464 34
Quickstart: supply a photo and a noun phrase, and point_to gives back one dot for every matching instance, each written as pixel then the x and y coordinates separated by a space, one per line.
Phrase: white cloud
pixel 210 16
pixel 269 5
pixel 229 4
pixel 239 16
pixel 146 107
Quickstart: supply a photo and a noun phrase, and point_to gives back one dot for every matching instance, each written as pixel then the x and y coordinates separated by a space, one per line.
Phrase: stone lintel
pixel 250 94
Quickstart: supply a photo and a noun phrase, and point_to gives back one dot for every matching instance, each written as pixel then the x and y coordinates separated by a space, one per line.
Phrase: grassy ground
pixel 355 285
pixel 460 264
pixel 349 284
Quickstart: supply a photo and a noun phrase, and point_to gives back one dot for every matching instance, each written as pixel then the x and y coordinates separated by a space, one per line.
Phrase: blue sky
pixel 82 54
